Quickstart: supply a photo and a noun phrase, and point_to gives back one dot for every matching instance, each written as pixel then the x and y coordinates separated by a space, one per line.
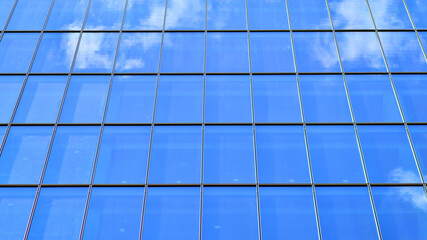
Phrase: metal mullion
pixel 8 19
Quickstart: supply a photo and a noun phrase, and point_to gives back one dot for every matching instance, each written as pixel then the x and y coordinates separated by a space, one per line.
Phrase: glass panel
pixel 123 155
pixel 360 52
pixel 85 99
pixel 132 99
pixel 24 154
pixel 2 132
pixel 412 92
pixel 267 14
pixel 345 213
pixel 287 213
pixel 401 212
pixel 105 15
pixel 144 14
pixel 390 14
pixel 96 53
pixel 316 52
pixel 324 98
pixel 281 154
pixel 228 99
pixel 16 51
pixel 227 15
pixel 72 155
pixel 271 52
pixel 176 154
pixel 229 213
pixel 229 154
pixel 180 99
pixel 15 209
pixel 183 52
pixel 10 87
pixel 59 214
pixel 186 14
pixel 350 14
pixel 334 154
pixel 5 9
pixel 418 11
pixel 372 98
pixel 114 213
pixel 67 15
pixel 227 52
pixel 419 140
pixel 309 14
pixel 29 15
pixel 388 154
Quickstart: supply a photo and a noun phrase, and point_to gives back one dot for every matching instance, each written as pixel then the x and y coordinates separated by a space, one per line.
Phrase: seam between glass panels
pixel 8 19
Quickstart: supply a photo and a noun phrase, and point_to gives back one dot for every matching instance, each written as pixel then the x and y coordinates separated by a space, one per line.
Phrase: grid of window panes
pixel 213 119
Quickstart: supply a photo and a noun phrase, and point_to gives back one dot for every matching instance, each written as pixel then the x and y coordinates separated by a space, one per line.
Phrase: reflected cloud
pixel 94 53
pixel 346 19
pixel 185 14
pixel 324 51
pixel 145 14
pixel 77 23
pixel 409 194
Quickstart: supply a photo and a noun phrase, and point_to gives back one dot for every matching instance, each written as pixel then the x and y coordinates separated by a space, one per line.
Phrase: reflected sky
pixel 144 14
pixel 419 139
pixel 16 51
pixel 5 7
pixel 67 15
pixel 267 14
pixel 390 14
pixel 186 14
pixel 350 14
pixel 309 14
pixel 105 14
pixel 29 15
pixel 418 10
pixel 10 87
pixel 227 15
pixel 412 92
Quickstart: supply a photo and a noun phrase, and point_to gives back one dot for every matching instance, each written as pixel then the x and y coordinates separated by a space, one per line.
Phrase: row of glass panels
pixel 221 15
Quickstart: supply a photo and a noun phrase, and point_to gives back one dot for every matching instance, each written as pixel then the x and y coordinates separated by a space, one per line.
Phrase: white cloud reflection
pixel 412 195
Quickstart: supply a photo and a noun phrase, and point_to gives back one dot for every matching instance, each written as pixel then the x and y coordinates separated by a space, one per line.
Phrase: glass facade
pixel 213 119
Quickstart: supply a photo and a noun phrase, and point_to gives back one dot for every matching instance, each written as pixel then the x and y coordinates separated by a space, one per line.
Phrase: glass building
pixel 213 119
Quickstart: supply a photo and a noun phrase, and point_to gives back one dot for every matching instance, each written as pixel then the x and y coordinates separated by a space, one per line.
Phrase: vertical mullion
pixel 415 29
pixel 8 19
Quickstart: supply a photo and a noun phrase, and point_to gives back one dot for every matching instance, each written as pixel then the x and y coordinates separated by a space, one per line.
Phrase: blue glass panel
pixel 271 52
pixel 55 53
pixel 176 154
pixel 309 14
pixel 388 154
pixel 228 99
pixel 183 52
pixel 144 14
pixel 412 92
pixel 29 15
pixel 403 52
pixel 229 213
pixel 139 52
pixel 350 14
pixel 372 98
pixel 180 99
pixel 67 15
pixel 418 10
pixel 96 53
pixel 59 214
pixel 16 51
pixel 281 154
pixel 15 209
pixel 10 87
pixel 324 98
pixel 229 154
pixel 401 212
pixel 390 14
pixel 132 99
pixel 227 52
pixel 2 132
pixel 360 52
pixel 24 154
pixel 334 154
pixel 123 155
pixel 287 213
pixel 316 52
pixel 5 9
pixel 105 15
pixel 85 99
pixel 72 155
pixel 419 139
pixel 345 213
pixel 267 14
pixel 172 213
pixel 114 213
pixel 227 15
pixel 186 14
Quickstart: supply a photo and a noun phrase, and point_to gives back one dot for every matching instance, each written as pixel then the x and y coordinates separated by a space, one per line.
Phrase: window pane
pixel 316 52
pixel 143 14
pixel 388 155
pixel 412 92
pixel 85 99
pixel 15 209
pixel 5 9
pixel 419 139
pixel 59 214
pixel 227 15
pixel 267 14
pixel 345 213
pixel 176 154
pixel 350 14
pixel 281 154
pixel 2 132
pixel 132 99
pixel 227 52
pixel 72 155
pixel 24 154
pixel 183 52
pixel 29 15
pixel 180 99
pixel 67 15
pixel 16 51
pixel 105 15
pixel 287 213
pixel 123 155
pixel 324 98
pixel 418 11
pixel 309 14
pixel 229 154
pixel 10 87
pixel 229 213
pixel 271 52
pixel 186 14
pixel 114 213
pixel 372 98
pixel 228 99
pixel 390 14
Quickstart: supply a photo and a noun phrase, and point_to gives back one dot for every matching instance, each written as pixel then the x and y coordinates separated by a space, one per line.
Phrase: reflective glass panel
pixel 16 51
pixel 186 14
pixel 5 9
pixel 412 92
pixel 144 14
pixel 2 132
pixel 309 14
pixel 105 15
pixel 10 87
pixel 227 15
pixel 350 14
pixel 418 10
pixel 267 14
pixel 29 15
pixel 67 15
pixel 390 14
pixel 419 140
